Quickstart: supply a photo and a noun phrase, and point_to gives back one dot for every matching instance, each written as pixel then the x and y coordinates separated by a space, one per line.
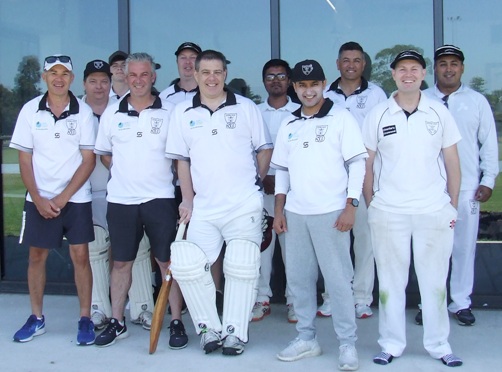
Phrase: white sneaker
pixel 99 319
pixel 363 311
pixel 260 311
pixel 210 340
pixel 145 319
pixel 348 360
pixel 325 308
pixel 299 349
pixel 233 346
pixel 291 314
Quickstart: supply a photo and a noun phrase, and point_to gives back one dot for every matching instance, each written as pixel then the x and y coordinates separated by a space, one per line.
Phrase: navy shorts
pixel 74 222
pixel 127 224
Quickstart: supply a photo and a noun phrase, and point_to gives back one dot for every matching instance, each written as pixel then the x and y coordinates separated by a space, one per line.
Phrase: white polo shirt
pixel 315 151
pixel 221 148
pixel 55 144
pixel 140 172
pixel 478 150
pixel 409 172
pixel 274 117
pixel 175 94
pixel 358 103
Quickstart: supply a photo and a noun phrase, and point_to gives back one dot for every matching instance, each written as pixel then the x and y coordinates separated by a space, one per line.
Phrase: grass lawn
pixel 10 156
pixel 495 202
pixel 13 203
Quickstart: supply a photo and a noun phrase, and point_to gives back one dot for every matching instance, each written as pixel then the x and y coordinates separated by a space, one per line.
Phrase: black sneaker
pixel 451 360
pixel 178 338
pixel 418 318
pixel 112 332
pixel 465 317
pixel 383 358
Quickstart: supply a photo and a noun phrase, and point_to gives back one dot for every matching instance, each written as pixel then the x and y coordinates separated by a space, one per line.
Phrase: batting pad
pixel 191 269
pixel 141 291
pixel 100 266
pixel 241 267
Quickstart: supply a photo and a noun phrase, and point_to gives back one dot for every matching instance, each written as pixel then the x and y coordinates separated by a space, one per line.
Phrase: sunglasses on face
pixel 62 59
pixel 280 77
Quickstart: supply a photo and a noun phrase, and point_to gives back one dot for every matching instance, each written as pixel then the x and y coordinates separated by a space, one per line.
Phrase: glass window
pixel 315 29
pixel 30 30
pixel 239 29
pixel 483 58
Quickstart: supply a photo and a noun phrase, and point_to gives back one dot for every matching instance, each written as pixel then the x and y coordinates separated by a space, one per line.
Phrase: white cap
pixel 58 59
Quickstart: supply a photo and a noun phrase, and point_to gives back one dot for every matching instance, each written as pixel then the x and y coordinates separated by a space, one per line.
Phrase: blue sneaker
pixel 32 327
pixel 85 335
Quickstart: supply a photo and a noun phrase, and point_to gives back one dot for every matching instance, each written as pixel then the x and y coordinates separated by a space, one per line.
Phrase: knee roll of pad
pixel 241 267
pixel 141 291
pixel 100 267
pixel 191 269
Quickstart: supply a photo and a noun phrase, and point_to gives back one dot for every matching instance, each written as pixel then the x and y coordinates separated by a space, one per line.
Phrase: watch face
pixel 355 202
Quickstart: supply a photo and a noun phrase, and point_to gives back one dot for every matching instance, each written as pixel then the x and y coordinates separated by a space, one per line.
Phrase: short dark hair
pixel 209 55
pixel 276 62
pixel 351 45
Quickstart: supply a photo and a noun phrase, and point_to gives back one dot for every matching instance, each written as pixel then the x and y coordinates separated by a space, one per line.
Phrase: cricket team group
pixel 116 171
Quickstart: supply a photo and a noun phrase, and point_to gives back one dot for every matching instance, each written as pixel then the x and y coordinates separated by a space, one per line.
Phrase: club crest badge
pixel 98 64
pixel 307 69
pixel 71 124
pixel 231 119
pixel 156 124
pixel 320 132
pixel 432 127
pixel 361 101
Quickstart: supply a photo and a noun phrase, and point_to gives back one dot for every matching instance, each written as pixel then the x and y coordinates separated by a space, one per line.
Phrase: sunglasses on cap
pixel 62 59
pixel 280 77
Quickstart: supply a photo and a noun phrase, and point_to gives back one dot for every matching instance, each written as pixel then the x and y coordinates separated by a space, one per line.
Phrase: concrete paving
pixel 480 346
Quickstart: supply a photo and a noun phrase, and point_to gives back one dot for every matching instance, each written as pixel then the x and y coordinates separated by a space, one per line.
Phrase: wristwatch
pixel 353 202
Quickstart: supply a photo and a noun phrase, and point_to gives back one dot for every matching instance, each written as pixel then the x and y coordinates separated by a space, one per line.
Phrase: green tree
pixel 381 72
pixel 478 84
pixel 8 111
pixel 27 79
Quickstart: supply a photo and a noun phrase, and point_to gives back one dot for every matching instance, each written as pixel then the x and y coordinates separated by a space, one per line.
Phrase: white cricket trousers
pixel 364 262
pixel 432 241
pixel 464 252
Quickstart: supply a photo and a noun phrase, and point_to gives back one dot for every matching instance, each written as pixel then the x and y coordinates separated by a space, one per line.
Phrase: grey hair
pixel 139 57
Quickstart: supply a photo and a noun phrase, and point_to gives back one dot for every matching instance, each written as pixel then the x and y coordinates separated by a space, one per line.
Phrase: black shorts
pixel 127 224
pixel 74 222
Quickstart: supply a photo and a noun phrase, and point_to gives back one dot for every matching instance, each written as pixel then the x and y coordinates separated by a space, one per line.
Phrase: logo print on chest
pixel 320 132
pixel 156 124
pixel 230 119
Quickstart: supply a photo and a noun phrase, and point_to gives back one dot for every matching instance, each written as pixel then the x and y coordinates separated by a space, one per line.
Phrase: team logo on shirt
pixel 156 124
pixel 124 126
pixel 195 124
pixel 71 124
pixel 320 132
pixel 432 127
pixel 292 137
pixel 40 126
pixel 231 118
pixel 230 329
pixel 361 101
pixel 388 130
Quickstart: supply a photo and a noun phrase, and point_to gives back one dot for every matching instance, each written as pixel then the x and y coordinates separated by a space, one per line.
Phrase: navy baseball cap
pixel 408 54
pixel 97 65
pixel 117 56
pixel 448 50
pixel 307 70
pixel 188 45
